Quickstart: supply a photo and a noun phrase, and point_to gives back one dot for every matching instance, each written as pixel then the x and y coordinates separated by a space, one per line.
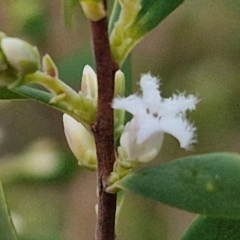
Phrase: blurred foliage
pixel 6 225
pixel 196 49
pixel 32 18
pixel 70 67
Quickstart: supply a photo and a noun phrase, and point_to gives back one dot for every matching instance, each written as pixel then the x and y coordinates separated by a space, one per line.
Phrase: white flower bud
pixel 20 55
pixel 89 85
pixel 81 142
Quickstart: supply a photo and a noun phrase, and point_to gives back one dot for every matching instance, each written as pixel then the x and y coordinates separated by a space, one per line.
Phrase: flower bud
pixel 20 55
pixel 93 9
pixel 119 87
pixel 49 66
pixel 119 115
pixel 81 142
pixel 89 86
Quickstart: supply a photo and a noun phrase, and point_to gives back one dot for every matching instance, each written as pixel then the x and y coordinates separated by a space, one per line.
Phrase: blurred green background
pixel 196 49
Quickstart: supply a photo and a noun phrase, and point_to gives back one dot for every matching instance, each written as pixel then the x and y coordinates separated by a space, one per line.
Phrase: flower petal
pixel 178 104
pixel 132 104
pixel 131 150
pixel 180 128
pixel 150 91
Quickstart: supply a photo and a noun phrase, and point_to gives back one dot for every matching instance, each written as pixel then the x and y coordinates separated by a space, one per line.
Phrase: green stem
pixel 64 97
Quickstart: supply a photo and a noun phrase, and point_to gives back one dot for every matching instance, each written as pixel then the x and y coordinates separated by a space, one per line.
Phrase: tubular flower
pixel 153 116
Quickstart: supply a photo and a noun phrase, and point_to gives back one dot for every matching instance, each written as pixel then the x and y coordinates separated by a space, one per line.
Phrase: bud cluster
pixel 80 138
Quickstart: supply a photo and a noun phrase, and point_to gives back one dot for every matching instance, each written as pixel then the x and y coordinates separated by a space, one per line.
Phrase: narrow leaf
pixel 42 97
pixel 28 93
pixel 7 231
pixel 132 20
pixel 24 92
pixel 211 228
pixel 207 184
pixel 34 94
pixel 153 12
pixel 6 94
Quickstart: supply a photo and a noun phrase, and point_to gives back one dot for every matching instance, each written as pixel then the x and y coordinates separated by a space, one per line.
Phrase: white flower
pixel 152 117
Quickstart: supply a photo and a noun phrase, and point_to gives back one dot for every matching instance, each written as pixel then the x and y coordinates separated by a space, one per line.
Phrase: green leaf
pixel 34 94
pixel 28 93
pixel 135 20
pixel 7 231
pixel 152 13
pixel 6 94
pixel 24 93
pixel 207 184
pixel 114 15
pixel 212 228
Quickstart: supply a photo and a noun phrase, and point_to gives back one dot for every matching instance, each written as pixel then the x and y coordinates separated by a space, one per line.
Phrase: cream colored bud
pixel 119 115
pixel 89 86
pixel 81 142
pixel 119 88
pixel 20 55
pixel 93 9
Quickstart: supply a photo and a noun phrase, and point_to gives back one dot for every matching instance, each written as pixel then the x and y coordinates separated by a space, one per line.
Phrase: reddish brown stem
pixel 103 129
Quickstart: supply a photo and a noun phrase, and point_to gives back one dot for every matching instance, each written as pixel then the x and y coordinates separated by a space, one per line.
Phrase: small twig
pixel 103 129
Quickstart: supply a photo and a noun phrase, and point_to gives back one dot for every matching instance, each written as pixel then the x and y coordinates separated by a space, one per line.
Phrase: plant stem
pixel 103 129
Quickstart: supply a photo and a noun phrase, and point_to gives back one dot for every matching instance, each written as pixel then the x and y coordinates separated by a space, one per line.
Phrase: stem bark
pixel 103 129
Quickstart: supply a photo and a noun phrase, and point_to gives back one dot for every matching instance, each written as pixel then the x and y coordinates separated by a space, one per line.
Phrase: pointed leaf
pixel 131 21
pixel 7 231
pixel 153 12
pixel 207 184
pixel 34 94
pixel 211 228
